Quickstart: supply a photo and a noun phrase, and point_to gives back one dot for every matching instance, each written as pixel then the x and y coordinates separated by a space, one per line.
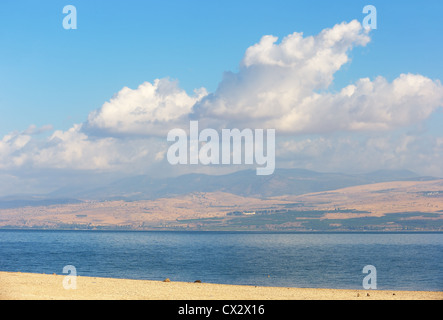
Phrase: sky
pixel 99 100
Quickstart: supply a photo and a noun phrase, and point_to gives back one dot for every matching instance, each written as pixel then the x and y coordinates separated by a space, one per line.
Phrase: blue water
pixel 402 261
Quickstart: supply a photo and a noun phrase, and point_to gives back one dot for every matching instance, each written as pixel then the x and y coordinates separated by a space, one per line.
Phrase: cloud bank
pixel 282 85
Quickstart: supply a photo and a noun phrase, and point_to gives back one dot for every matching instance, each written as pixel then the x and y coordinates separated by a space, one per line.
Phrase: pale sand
pixel 24 286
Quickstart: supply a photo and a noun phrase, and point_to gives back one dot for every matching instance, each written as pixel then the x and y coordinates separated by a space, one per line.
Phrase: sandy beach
pixel 30 286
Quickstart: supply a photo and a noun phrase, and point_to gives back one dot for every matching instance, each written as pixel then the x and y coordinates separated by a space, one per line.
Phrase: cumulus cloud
pixel 150 109
pixel 284 86
pixel 11 149
pixel 75 150
pixel 365 106
pixel 274 78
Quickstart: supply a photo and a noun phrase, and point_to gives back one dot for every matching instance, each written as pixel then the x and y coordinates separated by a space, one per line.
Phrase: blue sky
pixel 64 109
pixel 49 75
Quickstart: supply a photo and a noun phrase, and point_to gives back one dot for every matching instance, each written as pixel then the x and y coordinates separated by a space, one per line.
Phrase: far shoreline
pixel 226 231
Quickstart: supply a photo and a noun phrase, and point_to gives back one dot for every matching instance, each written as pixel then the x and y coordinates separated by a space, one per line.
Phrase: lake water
pixel 316 260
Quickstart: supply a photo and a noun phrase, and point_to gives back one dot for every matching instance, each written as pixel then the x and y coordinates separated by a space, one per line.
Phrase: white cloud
pixel 75 150
pixel 366 106
pixel 11 147
pixel 284 86
pixel 324 53
pixel 279 85
pixel 33 129
pixel 275 78
pixel 151 109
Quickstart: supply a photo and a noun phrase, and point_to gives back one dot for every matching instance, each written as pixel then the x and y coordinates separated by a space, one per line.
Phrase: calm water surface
pixel 403 261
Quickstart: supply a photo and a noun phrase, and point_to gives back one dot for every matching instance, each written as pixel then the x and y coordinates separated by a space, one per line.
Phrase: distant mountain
pixel 393 175
pixel 19 201
pixel 243 183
